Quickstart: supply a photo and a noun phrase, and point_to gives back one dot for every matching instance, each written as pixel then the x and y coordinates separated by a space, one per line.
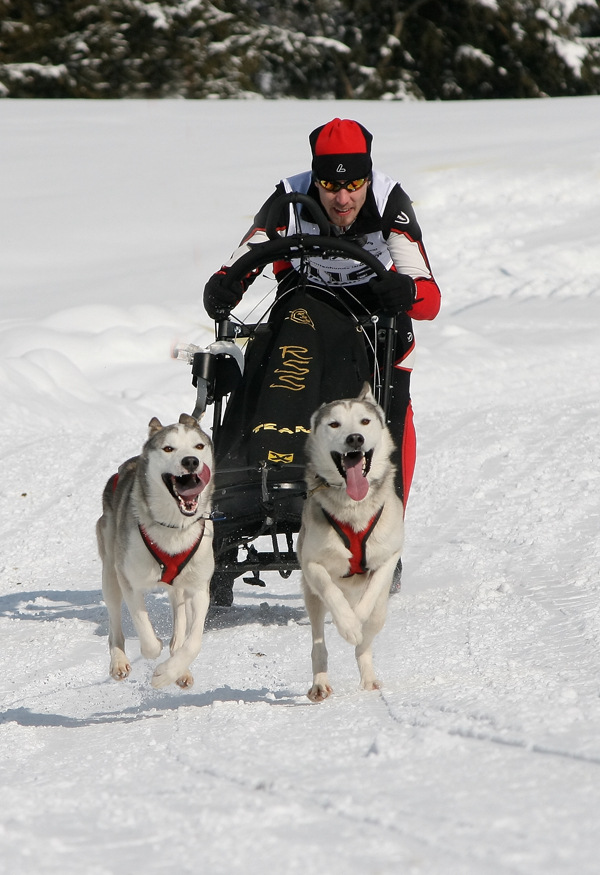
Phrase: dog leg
pixel 150 645
pixel 175 669
pixel 316 609
pixel 181 620
pixel 187 679
pixel 378 581
pixel 364 652
pixel 113 599
pixel 321 584
pixel 177 599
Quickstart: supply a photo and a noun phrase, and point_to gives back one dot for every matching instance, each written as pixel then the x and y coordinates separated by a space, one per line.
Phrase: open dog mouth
pixel 354 468
pixel 186 490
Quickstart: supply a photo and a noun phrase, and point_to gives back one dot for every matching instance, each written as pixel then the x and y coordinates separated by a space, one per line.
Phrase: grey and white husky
pixel 352 531
pixel 156 529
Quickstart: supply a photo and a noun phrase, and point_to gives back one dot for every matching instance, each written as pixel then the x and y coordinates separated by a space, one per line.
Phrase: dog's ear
pixel 154 425
pixel 367 395
pixel 314 420
pixel 188 421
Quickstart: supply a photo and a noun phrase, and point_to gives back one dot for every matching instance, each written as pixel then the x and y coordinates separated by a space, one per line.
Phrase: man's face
pixel 343 206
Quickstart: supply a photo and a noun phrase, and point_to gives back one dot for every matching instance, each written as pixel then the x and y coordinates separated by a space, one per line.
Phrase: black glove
pixel 221 295
pixel 396 291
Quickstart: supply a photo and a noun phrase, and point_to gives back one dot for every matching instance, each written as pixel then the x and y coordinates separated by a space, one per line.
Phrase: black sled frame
pixel 270 506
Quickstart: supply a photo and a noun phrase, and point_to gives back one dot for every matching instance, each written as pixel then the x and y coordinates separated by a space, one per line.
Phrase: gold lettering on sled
pixel 302 317
pixel 280 457
pixel 271 426
pixel 294 370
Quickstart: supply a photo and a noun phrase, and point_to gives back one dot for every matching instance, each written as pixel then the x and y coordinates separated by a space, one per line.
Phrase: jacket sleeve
pixel 405 243
pixel 256 234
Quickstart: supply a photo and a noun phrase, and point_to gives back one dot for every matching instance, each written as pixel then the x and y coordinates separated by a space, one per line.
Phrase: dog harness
pixel 354 541
pixel 170 565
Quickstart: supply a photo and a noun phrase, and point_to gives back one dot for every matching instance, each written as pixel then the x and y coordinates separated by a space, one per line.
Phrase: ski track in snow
pixel 481 754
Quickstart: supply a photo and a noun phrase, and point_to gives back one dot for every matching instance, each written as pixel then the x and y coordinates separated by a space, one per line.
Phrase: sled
pixel 308 348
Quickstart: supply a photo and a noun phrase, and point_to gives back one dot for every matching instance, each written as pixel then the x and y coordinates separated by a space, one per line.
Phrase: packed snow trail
pixel 480 755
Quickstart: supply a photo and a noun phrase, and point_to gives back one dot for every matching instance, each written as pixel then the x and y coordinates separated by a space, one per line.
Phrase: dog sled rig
pixel 308 348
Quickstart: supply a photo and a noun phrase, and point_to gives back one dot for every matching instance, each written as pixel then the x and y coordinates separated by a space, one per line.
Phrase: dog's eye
pixel 365 421
pixel 199 446
pixel 334 425
pixel 168 449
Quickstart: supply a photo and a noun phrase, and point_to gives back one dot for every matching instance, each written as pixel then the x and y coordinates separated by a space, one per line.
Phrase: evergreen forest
pixel 304 49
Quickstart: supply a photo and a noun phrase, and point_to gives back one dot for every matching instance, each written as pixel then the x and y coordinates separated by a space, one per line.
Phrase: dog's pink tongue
pixel 357 486
pixel 204 475
pixel 196 488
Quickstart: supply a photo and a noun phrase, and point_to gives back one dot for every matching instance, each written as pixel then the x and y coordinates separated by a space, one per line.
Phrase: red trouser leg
pixel 409 452
pixel 400 421
pixel 400 414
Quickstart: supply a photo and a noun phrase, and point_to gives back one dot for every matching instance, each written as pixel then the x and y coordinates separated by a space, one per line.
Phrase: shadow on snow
pixel 154 708
pixel 87 605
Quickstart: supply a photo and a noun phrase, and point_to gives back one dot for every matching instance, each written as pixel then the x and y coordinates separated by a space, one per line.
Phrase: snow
pixel 479 755
pixel 474 54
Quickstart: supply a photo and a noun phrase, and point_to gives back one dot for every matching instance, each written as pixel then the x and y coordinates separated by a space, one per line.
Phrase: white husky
pixel 352 531
pixel 156 528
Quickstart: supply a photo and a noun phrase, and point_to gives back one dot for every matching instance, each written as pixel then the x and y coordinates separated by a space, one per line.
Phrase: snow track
pixel 480 754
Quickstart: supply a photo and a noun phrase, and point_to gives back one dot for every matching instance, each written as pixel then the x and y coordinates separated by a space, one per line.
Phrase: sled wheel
pixel 221 589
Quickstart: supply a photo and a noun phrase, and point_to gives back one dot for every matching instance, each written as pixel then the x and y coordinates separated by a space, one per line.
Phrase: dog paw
pixel 185 681
pixel 351 630
pixel 120 670
pixel 151 649
pixel 371 684
pixel 171 671
pixel 319 692
pixel 162 677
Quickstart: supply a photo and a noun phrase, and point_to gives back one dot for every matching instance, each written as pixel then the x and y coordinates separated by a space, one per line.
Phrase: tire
pixel 221 589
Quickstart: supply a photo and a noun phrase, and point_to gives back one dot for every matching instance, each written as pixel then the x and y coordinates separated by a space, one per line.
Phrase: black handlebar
pixel 295 197
pixel 299 245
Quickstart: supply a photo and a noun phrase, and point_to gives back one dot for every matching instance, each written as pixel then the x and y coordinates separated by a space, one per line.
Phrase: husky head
pixel 349 442
pixel 178 463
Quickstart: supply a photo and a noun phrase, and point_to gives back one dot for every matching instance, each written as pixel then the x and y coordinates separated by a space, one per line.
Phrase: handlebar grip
pixel 295 197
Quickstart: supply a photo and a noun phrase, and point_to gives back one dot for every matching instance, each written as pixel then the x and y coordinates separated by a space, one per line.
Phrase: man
pixel 366 206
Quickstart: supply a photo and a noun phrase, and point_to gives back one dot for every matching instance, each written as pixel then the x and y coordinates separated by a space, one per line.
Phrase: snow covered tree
pixel 117 48
pixel 469 48
pixel 394 49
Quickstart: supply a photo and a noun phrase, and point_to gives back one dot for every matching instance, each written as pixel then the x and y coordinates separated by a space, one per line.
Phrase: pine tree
pixel 394 49
pixel 468 49
pixel 117 48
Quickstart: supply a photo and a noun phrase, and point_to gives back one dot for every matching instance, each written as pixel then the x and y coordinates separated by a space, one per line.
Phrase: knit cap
pixel 341 150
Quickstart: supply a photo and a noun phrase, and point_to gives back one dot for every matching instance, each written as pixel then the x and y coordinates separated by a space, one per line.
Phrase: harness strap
pixel 354 541
pixel 170 565
pixel 322 485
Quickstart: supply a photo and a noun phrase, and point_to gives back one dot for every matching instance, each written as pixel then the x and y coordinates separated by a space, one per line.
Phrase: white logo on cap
pixel 340 169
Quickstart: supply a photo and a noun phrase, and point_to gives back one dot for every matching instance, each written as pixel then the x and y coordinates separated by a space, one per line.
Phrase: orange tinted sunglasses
pixel 354 185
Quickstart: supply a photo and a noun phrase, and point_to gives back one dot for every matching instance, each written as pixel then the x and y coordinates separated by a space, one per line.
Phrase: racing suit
pixel 387 227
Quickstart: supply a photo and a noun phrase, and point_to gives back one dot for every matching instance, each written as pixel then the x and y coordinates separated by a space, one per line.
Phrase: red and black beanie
pixel 341 150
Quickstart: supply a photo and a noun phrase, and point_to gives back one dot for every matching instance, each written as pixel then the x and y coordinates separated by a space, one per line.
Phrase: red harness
pixel 170 565
pixel 354 541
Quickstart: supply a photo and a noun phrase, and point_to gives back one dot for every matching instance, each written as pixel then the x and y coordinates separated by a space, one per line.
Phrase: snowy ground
pixel 480 754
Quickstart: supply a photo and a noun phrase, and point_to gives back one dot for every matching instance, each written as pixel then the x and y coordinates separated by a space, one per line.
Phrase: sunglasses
pixel 354 185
